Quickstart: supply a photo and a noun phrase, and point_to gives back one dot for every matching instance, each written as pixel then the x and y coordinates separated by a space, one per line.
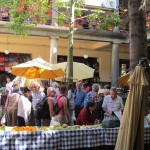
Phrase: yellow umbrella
pixel 80 71
pixel 123 80
pixel 131 132
pixel 37 68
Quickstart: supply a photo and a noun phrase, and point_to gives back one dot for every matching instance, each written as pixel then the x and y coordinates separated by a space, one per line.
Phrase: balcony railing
pixel 83 23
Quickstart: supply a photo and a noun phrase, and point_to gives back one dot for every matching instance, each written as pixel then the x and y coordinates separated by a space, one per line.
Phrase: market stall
pixel 63 139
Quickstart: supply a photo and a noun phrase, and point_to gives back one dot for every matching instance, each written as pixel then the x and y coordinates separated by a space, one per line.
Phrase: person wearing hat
pixel 87 115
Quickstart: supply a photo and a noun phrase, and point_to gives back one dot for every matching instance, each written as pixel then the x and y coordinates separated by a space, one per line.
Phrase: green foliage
pixel 79 4
pixel 61 19
pixel 26 13
pixel 114 19
pixel 18 23
pixel 23 13
pixel 105 20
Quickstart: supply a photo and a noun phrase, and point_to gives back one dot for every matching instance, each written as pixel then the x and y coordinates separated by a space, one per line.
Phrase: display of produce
pixel 24 128
pixel 67 127
pixel 45 128
pixel 2 128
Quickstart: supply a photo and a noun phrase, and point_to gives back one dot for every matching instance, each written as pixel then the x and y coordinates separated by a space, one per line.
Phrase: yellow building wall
pixel 40 46
pixel 36 46
pixel 104 59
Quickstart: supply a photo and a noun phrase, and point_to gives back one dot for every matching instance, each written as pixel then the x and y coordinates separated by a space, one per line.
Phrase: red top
pixel 60 104
pixel 86 117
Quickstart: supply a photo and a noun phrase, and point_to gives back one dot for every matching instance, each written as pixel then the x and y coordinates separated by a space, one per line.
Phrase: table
pixel 62 140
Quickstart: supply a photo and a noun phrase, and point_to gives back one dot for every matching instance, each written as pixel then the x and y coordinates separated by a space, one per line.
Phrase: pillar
pixel 115 54
pixel 115 64
pixel 54 40
pixel 53 49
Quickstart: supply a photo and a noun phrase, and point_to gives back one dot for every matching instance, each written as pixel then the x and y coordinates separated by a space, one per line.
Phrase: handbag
pixel 1 58
pixel 7 64
pixel 2 68
pixel 8 69
pixel 1 63
pixel 20 59
pixel 3 120
pixel 6 58
pixel 110 121
pixel 12 58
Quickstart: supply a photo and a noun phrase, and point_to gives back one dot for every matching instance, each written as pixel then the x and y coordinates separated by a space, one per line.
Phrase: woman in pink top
pixel 63 115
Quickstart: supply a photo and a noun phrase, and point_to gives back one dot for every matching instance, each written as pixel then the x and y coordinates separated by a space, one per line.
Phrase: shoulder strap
pixel 75 92
pixel 61 96
pixel 45 99
pixel 7 101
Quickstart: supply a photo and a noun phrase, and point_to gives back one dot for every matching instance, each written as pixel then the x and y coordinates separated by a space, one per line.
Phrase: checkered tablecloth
pixel 55 140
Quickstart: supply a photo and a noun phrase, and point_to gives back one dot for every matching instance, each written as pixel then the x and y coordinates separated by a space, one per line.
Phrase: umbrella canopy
pixel 37 68
pixel 123 80
pixel 131 132
pixel 22 81
pixel 80 71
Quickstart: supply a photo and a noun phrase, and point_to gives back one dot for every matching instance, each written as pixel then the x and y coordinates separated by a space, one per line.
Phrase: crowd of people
pixel 79 104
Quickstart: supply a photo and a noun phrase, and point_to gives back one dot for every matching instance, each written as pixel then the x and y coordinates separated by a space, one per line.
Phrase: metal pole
pixel 70 51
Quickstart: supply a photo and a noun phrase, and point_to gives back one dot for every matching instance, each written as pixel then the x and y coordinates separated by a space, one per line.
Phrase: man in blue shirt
pixel 79 98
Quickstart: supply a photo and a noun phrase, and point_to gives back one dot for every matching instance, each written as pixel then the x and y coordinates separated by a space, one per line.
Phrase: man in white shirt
pixel 37 96
pixel 112 102
pixel 24 108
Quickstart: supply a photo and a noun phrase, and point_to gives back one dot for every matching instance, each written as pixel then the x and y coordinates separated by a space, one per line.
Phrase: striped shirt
pixel 113 105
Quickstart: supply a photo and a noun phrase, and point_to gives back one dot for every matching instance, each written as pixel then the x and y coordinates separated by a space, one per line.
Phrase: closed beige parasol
pixel 131 132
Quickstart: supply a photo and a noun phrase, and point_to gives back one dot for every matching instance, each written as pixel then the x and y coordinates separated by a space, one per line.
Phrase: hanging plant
pixel 23 14
pixel 114 20
pixel 105 20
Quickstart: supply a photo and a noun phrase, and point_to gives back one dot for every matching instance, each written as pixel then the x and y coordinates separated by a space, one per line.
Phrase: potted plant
pixel 108 22
pixel 114 20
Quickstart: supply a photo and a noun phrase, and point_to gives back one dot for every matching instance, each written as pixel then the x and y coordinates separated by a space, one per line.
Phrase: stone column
pixel 115 54
pixel 115 64
pixel 53 40
pixel 53 49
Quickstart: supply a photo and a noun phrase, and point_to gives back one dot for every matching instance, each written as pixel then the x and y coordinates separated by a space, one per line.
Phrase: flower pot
pixel 116 29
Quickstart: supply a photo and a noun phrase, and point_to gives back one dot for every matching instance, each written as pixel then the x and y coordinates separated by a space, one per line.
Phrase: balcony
pixel 80 23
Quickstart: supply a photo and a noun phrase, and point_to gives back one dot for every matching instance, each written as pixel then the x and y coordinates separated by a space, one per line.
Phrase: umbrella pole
pixel 50 82
pixel 19 83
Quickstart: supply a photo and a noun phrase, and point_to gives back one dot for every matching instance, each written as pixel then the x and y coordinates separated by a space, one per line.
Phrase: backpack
pixel 42 109
pixel 56 107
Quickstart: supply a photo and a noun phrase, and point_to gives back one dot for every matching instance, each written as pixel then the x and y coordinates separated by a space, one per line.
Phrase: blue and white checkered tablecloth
pixel 61 140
